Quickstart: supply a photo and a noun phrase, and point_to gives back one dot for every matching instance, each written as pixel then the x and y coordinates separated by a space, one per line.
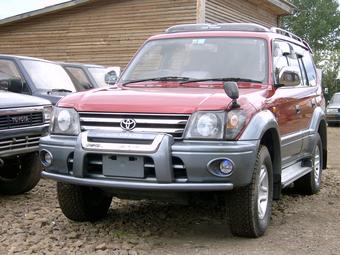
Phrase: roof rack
pixel 242 27
pixel 290 34
pixel 246 27
pixel 286 33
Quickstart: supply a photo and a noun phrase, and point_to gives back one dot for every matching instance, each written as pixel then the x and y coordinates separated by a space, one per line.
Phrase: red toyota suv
pixel 233 110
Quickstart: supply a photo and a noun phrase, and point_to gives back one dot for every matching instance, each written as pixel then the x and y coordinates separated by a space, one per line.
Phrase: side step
pixel 293 172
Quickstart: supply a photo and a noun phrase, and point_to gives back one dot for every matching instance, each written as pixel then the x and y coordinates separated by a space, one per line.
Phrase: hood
pixel 154 100
pixel 13 100
pixel 52 96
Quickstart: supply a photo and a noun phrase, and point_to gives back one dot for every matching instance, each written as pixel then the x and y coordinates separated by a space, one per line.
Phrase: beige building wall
pixel 109 32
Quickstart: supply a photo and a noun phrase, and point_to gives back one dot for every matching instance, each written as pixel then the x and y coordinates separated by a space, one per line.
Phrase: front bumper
pixel 21 140
pixel 168 165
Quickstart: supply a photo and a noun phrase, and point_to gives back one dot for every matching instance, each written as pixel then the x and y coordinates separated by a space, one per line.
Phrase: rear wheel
pixel 249 208
pixel 80 203
pixel 20 174
pixel 310 183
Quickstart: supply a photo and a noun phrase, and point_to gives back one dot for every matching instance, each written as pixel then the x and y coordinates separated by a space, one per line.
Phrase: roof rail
pixel 290 34
pixel 286 33
pixel 246 27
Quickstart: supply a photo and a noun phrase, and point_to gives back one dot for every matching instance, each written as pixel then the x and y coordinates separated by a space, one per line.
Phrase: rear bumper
pixel 177 166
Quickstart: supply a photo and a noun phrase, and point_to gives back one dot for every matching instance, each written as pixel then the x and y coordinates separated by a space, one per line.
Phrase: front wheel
pixel 80 203
pixel 20 174
pixel 249 208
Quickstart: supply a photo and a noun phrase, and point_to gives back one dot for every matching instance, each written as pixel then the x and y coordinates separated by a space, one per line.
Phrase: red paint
pixel 172 97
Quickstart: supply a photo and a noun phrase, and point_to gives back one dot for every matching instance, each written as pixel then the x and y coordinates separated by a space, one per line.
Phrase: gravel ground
pixel 33 223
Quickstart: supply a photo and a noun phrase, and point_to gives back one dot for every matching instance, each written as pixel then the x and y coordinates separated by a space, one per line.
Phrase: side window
pixel 303 71
pixel 294 61
pixel 280 59
pixel 287 54
pixel 310 68
pixel 8 70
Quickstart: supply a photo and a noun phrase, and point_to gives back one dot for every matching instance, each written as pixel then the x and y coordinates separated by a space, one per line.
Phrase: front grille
pixel 20 142
pixel 94 166
pixel 173 124
pixel 10 121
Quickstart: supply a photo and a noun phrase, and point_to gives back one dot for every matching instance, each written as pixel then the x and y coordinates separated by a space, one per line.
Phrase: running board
pixel 293 172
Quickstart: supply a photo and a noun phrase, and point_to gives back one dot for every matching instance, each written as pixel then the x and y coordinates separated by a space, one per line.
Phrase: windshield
pixel 200 58
pixel 98 75
pixel 48 76
pixel 335 99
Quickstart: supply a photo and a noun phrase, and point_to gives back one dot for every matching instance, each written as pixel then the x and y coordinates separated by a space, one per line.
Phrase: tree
pixel 318 22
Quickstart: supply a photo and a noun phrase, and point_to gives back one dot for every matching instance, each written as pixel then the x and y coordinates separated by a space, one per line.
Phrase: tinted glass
pixel 79 78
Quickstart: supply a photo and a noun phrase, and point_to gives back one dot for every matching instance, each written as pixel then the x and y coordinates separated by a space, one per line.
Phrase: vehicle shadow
pixel 169 220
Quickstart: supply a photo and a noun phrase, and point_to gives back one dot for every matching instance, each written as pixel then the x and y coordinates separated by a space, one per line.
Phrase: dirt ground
pixel 33 223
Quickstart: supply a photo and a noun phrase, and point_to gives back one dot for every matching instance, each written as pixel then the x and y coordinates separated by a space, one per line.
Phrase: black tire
pixel 20 174
pixel 80 203
pixel 245 217
pixel 309 184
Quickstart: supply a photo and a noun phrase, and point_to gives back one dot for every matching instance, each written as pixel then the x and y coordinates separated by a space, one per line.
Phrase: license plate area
pixel 123 166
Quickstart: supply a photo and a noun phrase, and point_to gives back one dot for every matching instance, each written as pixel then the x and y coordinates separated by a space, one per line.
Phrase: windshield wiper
pixel 61 90
pixel 164 78
pixel 222 79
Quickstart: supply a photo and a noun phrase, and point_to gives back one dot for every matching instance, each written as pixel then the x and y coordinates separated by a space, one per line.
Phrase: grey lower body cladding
pixel 146 161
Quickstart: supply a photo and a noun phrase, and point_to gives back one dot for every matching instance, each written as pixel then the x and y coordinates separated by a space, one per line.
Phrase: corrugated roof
pixel 285 6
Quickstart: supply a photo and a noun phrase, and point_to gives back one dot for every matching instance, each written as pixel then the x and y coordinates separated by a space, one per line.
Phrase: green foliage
pixel 318 22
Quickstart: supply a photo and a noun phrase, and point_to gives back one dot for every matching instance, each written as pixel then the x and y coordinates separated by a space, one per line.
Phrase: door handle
pixel 297 109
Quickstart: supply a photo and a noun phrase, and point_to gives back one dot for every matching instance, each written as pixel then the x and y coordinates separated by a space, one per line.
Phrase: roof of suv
pixel 230 29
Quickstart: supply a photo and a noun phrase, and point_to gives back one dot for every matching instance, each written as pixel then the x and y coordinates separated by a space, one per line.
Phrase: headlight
pixel 206 125
pixel 47 113
pixel 216 125
pixel 65 121
pixel 235 122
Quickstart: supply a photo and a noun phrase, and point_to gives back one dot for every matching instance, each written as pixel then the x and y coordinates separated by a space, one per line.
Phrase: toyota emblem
pixel 128 124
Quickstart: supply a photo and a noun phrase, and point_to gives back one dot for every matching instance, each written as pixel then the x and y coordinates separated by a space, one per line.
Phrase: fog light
pixel 222 167
pixel 46 158
pixel 226 166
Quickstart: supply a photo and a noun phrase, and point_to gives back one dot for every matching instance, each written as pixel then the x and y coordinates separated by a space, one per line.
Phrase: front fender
pixel 258 125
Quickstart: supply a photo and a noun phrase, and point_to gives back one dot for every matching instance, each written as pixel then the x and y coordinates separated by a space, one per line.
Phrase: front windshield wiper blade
pixel 164 78
pixel 221 79
pixel 61 90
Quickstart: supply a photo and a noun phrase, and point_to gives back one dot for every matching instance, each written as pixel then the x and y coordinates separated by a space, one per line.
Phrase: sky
pixel 13 7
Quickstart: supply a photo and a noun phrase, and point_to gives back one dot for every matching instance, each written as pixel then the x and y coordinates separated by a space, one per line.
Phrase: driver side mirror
pixel 111 77
pixel 289 76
